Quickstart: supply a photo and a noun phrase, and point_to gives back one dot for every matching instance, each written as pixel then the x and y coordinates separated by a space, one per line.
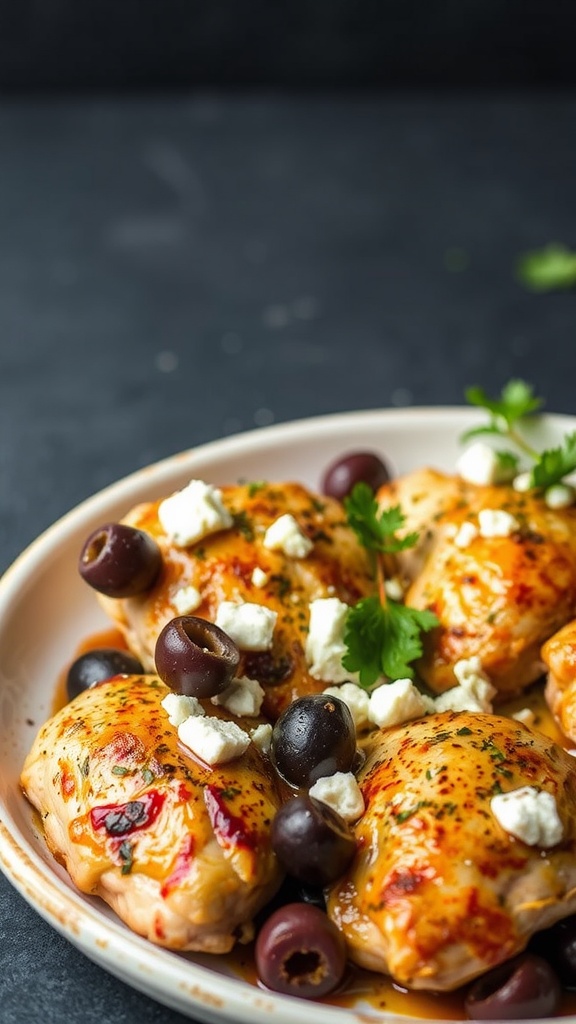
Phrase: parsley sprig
pixel 507 416
pixel 383 637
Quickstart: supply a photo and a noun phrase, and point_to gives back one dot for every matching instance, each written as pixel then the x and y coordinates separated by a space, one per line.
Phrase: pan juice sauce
pixel 361 988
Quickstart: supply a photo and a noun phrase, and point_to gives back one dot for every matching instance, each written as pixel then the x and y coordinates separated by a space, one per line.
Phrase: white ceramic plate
pixel 46 610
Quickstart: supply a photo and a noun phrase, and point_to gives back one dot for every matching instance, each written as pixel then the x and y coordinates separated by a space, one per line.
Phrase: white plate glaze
pixel 46 610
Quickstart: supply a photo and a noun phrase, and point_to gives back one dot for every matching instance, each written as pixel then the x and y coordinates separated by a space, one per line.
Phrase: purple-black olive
pixel 120 561
pixel 315 736
pixel 358 467
pixel 195 657
pixel 312 842
pixel 522 988
pixel 97 665
pixel 558 946
pixel 300 952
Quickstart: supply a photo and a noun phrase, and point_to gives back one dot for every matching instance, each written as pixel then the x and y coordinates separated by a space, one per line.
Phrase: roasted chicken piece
pixel 559 655
pixel 179 850
pixel 496 597
pixel 438 891
pixel 233 564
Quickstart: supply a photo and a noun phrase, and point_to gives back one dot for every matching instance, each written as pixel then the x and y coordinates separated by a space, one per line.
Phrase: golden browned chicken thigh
pixel 237 564
pixel 179 850
pixel 440 891
pixel 500 587
pixel 559 655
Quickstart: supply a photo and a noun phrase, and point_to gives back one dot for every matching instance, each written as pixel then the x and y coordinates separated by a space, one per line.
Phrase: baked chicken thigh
pixel 439 891
pixel 179 850
pixel 238 563
pixel 500 586
pixel 559 655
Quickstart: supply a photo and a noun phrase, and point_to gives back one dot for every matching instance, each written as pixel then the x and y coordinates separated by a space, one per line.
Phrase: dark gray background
pixel 180 264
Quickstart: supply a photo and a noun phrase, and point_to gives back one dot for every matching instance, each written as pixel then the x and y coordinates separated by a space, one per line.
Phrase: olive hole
pixel 95 548
pixel 306 967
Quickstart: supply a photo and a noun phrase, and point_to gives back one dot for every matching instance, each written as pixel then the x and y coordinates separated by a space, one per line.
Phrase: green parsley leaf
pixel 384 639
pixel 555 463
pixel 552 268
pixel 376 529
pixel 516 400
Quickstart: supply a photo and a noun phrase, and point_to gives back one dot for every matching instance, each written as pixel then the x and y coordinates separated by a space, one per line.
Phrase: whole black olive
pixel 522 988
pixel 97 665
pixel 357 467
pixel 195 657
pixel 315 736
pixel 558 946
pixel 312 842
pixel 119 561
pixel 300 952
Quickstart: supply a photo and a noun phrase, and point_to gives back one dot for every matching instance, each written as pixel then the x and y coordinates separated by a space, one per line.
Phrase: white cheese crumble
pixel 243 697
pixel 394 703
pixel 178 707
pixel 186 600
pixel 525 715
pixel 325 646
pixel 522 482
pixel 357 700
pixel 474 691
pixel 259 577
pixel 394 589
pixel 479 464
pixel 495 522
pixel 530 815
pixel 261 737
pixel 341 792
pixel 192 513
pixel 466 533
pixel 285 535
pixel 250 625
pixel 559 496
pixel 212 739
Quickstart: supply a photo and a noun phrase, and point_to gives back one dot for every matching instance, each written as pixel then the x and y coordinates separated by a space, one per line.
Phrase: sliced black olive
pixel 120 561
pixel 195 657
pixel 300 952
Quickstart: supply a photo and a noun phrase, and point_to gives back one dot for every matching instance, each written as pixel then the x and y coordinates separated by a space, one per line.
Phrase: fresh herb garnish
pixel 507 415
pixel 551 268
pixel 382 636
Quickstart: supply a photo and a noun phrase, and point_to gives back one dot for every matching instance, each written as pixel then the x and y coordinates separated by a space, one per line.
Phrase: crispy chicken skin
pixel 221 565
pixel 559 655
pixel 438 892
pixel 498 598
pixel 180 851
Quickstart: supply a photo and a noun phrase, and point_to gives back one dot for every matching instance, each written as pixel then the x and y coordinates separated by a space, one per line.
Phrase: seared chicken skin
pixel 179 850
pixel 439 892
pixel 559 655
pixel 496 597
pixel 221 567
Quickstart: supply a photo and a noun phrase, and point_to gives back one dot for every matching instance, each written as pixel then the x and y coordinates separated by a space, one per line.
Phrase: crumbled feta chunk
pixel 474 691
pixel 530 815
pixel 341 792
pixel 465 534
pixel 525 715
pixel 394 703
pixel 325 646
pixel 522 482
pixel 261 737
pixel 250 625
pixel 243 696
pixel 285 535
pixel 259 577
pixel 212 739
pixel 479 464
pixel 394 589
pixel 495 522
pixel 187 600
pixel 559 496
pixel 357 700
pixel 192 513
pixel 178 707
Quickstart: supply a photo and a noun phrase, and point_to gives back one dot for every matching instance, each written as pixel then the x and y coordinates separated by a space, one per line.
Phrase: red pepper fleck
pixel 120 819
pixel 228 828
pixel 181 867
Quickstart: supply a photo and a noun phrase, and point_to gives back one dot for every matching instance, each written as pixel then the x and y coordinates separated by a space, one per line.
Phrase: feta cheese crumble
pixel 285 535
pixel 250 625
pixel 479 464
pixel 466 533
pixel 393 589
pixel 193 513
pixel 259 577
pixel 325 646
pixel 474 691
pixel 342 793
pixel 178 707
pixel 243 697
pixel 530 815
pixel 394 703
pixel 213 740
pixel 495 522
pixel 187 600
pixel 559 496
pixel 261 737
pixel 357 700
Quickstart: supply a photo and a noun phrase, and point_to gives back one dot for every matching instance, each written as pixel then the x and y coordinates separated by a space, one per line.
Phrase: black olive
pixel 120 561
pixel 312 842
pixel 314 737
pixel 97 665
pixel 522 988
pixel 195 657
pixel 358 467
pixel 558 946
pixel 300 952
